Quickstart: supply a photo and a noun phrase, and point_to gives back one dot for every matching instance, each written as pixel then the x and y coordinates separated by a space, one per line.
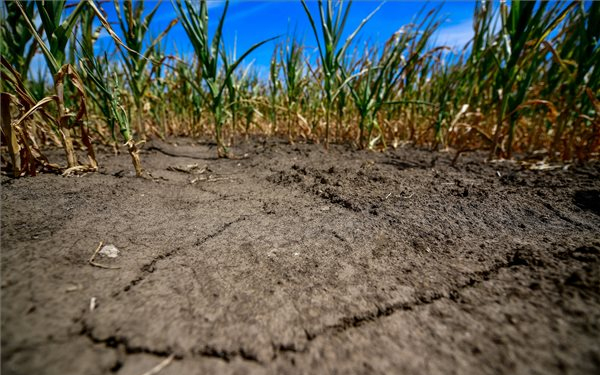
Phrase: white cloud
pixel 455 36
pixel 238 15
pixel 169 13
pixel 215 3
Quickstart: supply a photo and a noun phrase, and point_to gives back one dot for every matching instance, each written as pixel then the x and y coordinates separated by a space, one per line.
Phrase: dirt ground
pixel 292 260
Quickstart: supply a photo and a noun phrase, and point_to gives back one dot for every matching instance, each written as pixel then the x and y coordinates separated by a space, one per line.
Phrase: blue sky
pixel 251 21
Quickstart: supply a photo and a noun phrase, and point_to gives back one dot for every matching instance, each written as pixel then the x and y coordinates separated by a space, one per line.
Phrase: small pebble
pixel 109 251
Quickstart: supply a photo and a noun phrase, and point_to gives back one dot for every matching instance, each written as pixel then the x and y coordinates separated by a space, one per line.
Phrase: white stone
pixel 109 251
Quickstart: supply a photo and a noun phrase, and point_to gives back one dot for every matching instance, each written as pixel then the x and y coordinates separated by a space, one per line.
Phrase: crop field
pixel 351 206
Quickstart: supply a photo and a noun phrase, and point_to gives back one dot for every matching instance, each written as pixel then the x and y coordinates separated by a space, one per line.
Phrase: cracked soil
pixel 293 260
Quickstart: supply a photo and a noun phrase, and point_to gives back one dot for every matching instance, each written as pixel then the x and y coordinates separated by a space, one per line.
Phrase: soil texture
pixel 295 260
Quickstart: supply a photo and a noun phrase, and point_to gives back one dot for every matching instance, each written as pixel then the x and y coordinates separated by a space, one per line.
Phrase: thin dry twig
pixel 77 168
pixel 156 369
pixel 214 179
pixel 210 178
pixel 190 168
pixel 73 288
pixel 96 264
pixel 156 179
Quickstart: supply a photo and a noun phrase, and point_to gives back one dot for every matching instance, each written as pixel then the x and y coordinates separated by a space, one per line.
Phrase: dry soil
pixel 293 260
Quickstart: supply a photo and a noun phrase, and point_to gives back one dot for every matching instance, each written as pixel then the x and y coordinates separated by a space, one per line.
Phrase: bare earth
pixel 294 260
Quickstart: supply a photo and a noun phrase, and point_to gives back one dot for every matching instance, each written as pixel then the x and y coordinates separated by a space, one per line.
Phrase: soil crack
pixel 359 320
pixel 117 342
pixel 343 325
pixel 150 267
pixel 223 228
pixel 226 355
pixel 122 344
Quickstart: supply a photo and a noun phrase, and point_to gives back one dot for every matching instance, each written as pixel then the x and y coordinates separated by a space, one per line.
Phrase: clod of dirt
pixel 588 200
pixel 526 257
pixel 586 254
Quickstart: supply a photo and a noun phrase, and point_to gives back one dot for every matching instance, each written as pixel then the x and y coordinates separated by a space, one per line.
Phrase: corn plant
pixel 312 100
pixel 448 97
pixel 274 89
pixel 19 134
pixel 234 82
pixel 84 39
pixel 69 88
pixel 210 54
pixel 108 97
pixel 137 55
pixel 527 83
pixel 293 73
pixel 16 40
pixel 480 65
pixel 182 98
pixel 574 71
pixel 58 33
pixel 524 27
pixel 250 90
pixel 404 51
pixel 333 22
pixel 158 107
